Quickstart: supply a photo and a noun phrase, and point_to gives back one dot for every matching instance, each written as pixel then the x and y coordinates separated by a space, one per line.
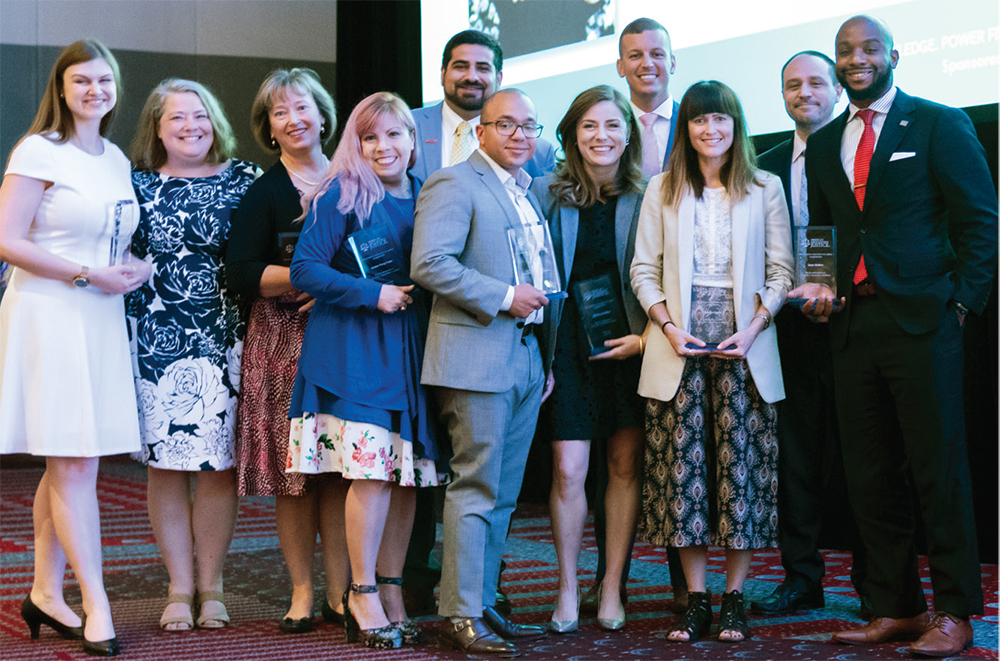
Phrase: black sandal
pixel 381 638
pixel 697 619
pixel 410 631
pixel 733 617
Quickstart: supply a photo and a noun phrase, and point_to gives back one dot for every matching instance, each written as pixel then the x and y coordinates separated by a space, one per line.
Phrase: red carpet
pixel 257 592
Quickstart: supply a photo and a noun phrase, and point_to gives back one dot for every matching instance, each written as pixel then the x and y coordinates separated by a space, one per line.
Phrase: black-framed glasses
pixel 507 128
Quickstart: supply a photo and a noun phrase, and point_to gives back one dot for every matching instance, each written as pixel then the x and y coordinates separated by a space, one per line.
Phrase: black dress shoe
pixel 330 615
pixel 473 636
pixel 785 600
pixel 503 605
pixel 35 617
pixel 508 629
pixel 109 647
pixel 290 625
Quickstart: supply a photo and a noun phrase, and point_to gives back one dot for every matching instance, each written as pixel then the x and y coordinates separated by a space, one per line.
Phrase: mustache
pixel 472 86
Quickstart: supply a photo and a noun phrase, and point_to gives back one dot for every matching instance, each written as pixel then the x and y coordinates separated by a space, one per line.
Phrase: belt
pixel 864 288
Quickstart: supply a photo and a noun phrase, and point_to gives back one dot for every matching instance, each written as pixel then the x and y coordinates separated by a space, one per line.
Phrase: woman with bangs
pixel 357 406
pixel 292 117
pixel 712 265
pixel 188 336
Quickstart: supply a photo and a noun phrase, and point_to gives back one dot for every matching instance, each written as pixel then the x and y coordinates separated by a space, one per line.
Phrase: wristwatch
pixel 82 280
pixel 962 309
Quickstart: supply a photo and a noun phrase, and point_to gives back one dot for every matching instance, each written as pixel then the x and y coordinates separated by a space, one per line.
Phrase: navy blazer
pixel 428 121
pixel 929 226
pixel 778 161
pixel 670 139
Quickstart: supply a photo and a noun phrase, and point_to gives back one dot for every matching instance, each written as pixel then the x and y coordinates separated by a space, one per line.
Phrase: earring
pixel 274 143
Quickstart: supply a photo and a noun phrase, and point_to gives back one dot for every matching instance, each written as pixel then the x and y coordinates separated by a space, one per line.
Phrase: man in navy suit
pixel 906 182
pixel 471 71
pixel 808 436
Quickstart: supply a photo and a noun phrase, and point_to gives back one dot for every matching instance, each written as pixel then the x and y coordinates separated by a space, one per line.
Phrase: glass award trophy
pixel 815 259
pixel 601 311
pixel 122 219
pixel 378 255
pixel 713 319
pixel 534 259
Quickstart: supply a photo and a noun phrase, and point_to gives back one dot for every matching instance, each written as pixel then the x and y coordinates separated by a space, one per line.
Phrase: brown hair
pixel 572 185
pixel 275 86
pixel 54 118
pixel 147 149
pixel 683 171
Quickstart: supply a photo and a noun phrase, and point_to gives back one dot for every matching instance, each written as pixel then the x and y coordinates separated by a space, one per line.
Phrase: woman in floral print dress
pixel 188 337
pixel 357 406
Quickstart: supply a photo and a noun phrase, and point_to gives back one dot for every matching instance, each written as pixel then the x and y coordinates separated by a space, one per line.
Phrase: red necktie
pixel 862 160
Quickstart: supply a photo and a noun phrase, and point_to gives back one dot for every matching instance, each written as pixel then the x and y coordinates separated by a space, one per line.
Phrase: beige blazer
pixel 762 273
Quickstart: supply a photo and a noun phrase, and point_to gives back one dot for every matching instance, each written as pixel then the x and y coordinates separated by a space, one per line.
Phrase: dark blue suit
pixel 928 232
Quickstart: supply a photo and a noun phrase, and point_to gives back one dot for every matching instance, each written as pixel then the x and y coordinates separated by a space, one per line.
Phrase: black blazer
pixel 778 161
pixel 929 227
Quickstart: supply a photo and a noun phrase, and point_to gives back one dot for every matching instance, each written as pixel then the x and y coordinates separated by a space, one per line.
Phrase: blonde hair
pixel 572 185
pixel 54 118
pixel 276 86
pixel 360 187
pixel 147 149
pixel 683 171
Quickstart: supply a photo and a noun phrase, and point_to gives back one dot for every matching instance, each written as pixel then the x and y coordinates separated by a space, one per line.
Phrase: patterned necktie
pixel 862 161
pixel 650 148
pixel 460 147
pixel 803 196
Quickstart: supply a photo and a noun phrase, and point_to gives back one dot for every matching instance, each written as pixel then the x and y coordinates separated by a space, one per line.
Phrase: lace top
pixel 713 229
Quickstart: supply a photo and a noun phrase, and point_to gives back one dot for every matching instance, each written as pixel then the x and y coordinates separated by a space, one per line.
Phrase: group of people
pixel 335 332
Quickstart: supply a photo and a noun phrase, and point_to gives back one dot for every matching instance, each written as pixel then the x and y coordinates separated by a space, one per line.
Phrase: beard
pixel 881 82
pixel 466 102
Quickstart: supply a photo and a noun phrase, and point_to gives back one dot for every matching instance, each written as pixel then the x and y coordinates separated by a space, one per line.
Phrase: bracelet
pixel 766 318
pixel 663 326
pixel 642 346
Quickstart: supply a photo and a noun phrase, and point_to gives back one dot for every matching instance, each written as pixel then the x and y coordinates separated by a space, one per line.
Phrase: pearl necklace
pixel 299 176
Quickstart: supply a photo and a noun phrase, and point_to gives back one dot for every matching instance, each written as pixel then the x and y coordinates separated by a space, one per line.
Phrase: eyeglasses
pixel 507 128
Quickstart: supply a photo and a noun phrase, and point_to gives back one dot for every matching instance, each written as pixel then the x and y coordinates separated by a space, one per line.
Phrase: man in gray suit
pixel 471 71
pixel 483 356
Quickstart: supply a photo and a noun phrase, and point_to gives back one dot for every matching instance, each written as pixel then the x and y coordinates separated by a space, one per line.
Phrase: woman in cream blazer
pixel 713 235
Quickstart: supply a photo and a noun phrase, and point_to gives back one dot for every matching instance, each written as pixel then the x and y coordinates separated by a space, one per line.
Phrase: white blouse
pixel 713 232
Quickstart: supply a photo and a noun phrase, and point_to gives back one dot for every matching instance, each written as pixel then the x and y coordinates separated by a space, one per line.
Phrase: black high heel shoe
pixel 409 630
pixel 330 615
pixel 382 638
pixel 109 647
pixel 35 617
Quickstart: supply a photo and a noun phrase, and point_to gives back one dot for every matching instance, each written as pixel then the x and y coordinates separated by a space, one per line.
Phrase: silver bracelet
pixel 766 318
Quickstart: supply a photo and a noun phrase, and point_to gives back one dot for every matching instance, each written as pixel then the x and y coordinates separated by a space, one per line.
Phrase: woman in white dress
pixel 67 211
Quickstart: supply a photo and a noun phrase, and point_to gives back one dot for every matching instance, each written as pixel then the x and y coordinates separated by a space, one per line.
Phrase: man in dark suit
pixel 906 182
pixel 486 355
pixel 810 466
pixel 471 71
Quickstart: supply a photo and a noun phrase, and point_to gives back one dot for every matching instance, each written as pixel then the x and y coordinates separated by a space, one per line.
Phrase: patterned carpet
pixel 257 592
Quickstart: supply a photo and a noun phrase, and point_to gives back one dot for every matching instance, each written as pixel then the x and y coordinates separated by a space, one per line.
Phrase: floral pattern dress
pixel 187 333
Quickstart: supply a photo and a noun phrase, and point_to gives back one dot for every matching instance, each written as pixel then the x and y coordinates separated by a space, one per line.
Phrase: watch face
pixel 80 281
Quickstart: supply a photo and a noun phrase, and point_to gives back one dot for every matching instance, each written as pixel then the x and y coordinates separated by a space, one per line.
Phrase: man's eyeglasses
pixel 504 127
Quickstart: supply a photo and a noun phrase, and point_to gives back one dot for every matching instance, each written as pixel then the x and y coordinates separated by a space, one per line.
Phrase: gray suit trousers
pixel 491 434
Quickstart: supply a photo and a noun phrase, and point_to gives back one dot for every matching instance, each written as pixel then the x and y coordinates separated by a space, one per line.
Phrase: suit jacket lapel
pixel 431 133
pixel 624 210
pixel 493 184
pixel 670 137
pixel 829 158
pixel 740 213
pixel 897 122
pixel 685 253
pixel 569 225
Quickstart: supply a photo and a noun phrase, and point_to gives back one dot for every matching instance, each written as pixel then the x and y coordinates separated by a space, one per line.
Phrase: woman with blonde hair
pixel 358 408
pixel 592 205
pixel 712 265
pixel 293 117
pixel 67 214
pixel 188 338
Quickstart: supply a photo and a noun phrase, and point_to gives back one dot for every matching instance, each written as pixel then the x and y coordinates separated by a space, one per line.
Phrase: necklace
pixel 298 176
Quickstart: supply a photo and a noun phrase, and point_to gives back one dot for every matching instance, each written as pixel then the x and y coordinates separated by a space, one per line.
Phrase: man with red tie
pixel 907 185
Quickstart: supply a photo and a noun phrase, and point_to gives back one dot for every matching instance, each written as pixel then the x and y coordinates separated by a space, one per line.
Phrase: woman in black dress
pixel 592 204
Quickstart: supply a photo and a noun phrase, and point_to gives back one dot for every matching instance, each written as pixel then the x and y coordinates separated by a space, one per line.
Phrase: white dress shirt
pixel 798 170
pixel 856 126
pixel 662 127
pixel 449 122
pixel 517 191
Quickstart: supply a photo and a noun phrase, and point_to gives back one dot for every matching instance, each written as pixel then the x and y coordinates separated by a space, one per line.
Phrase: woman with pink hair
pixel 357 406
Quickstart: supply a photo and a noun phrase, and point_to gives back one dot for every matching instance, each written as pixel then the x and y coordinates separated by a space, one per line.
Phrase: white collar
pixel 522 180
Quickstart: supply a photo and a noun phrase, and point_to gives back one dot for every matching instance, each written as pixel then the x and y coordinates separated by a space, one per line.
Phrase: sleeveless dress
pixel 65 375
pixel 188 333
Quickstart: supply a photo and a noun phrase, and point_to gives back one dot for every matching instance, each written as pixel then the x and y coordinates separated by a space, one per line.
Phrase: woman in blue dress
pixel 189 337
pixel 357 407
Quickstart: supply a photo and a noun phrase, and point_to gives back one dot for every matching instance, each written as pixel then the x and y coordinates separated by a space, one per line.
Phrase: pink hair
pixel 360 188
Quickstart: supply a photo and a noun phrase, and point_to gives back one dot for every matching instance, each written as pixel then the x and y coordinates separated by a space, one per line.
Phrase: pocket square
pixel 900 155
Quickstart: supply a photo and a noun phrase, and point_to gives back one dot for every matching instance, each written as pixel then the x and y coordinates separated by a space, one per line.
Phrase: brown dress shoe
pixel 946 635
pixel 886 629
pixel 473 636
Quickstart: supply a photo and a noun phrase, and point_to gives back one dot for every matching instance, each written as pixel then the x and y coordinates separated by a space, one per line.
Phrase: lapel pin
pixel 904 122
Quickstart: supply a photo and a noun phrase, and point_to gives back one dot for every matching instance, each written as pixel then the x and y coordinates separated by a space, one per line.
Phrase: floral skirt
pixel 324 443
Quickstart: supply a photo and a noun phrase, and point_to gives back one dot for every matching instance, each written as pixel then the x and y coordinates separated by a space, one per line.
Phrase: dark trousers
pixel 884 374
pixel 812 490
